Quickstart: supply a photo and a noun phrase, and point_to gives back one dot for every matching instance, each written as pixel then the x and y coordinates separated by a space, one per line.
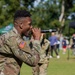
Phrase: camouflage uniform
pixel 41 68
pixel 14 51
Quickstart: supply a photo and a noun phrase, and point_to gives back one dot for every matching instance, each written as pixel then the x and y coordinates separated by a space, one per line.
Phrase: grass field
pixel 62 66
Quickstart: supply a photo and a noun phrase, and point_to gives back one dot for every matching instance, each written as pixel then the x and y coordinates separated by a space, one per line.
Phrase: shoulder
pixel 11 35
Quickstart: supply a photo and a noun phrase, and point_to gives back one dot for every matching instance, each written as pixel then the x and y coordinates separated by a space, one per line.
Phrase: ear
pixel 15 23
pixel 21 25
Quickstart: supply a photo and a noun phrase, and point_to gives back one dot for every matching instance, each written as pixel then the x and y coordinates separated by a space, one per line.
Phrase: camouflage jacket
pixel 14 50
pixel 45 52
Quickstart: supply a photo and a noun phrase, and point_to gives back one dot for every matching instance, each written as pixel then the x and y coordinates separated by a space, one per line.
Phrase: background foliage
pixel 44 15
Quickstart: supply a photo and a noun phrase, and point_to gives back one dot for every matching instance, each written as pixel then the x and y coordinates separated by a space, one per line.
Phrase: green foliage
pixel 55 24
pixel 8 7
pixel 45 15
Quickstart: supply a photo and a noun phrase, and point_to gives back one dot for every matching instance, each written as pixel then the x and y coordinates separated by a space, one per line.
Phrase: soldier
pixel 41 67
pixel 14 50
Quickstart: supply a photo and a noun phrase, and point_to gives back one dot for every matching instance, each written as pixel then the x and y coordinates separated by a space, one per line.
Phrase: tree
pixel 8 7
pixel 46 14
pixel 66 5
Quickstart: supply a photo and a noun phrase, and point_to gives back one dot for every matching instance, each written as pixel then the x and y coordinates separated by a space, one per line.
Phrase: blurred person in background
pixel 64 45
pixel 72 42
pixel 53 44
pixel 58 44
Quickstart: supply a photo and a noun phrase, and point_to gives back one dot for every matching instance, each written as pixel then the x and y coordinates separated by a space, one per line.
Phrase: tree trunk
pixel 62 18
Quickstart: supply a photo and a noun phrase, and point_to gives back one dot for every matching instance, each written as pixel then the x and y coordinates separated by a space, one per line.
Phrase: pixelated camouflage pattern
pixel 45 51
pixel 12 56
pixel 41 67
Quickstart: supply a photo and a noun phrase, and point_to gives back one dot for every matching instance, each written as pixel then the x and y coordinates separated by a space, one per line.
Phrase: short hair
pixel 21 13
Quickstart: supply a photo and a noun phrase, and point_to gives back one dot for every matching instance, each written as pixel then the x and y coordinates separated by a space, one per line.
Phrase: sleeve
pixel 44 51
pixel 22 50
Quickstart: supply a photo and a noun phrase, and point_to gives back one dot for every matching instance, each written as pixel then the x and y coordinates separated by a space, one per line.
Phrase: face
pixel 53 33
pixel 26 26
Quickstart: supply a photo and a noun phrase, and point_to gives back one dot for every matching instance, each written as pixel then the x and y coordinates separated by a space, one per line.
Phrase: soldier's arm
pixel 22 50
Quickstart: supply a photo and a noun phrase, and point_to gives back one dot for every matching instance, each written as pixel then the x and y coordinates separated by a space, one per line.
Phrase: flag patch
pixel 22 44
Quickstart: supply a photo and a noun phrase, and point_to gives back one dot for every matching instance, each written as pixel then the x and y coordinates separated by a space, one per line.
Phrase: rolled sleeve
pixel 36 45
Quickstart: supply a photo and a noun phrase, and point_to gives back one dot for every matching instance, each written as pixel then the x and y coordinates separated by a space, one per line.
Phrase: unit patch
pixel 22 44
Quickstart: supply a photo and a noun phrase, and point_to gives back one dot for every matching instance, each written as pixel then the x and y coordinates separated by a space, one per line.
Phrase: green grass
pixel 62 66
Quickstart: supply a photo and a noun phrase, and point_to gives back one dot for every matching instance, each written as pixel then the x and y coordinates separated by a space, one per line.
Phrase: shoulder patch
pixel 22 44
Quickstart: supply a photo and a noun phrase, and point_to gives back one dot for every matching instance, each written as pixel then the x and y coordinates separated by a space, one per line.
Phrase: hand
pixel 36 33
